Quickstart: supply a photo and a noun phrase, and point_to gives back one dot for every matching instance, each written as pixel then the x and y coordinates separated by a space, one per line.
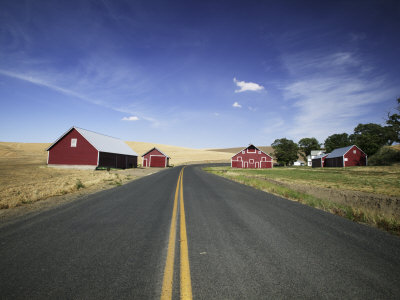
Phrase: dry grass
pixel 25 178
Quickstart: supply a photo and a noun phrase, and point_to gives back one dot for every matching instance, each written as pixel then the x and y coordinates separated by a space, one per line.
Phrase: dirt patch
pixel 388 206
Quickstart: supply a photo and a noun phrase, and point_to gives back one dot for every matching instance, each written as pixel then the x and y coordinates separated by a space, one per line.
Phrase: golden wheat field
pixel 181 155
pixel 25 177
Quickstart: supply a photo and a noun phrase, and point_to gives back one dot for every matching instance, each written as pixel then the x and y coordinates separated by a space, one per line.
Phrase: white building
pixel 314 154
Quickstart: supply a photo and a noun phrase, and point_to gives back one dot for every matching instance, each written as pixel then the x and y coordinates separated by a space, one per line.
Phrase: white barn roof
pixel 154 148
pixel 101 142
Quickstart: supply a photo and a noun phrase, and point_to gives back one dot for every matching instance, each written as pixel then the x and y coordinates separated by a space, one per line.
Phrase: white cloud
pixel 131 118
pixel 236 105
pixel 247 86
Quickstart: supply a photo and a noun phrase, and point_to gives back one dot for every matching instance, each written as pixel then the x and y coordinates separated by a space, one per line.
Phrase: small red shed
pixel 252 158
pixel 346 157
pixel 81 148
pixel 319 161
pixel 155 158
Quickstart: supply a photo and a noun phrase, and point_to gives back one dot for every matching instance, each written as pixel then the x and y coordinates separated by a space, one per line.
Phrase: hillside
pixel 35 153
pixel 266 149
pixel 25 177
pixel 181 155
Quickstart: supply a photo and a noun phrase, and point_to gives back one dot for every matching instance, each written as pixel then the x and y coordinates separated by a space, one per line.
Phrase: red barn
pixel 252 158
pixel 155 158
pixel 87 149
pixel 346 157
pixel 319 161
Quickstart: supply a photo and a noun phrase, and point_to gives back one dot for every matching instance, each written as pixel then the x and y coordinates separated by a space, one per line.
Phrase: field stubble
pixel 25 177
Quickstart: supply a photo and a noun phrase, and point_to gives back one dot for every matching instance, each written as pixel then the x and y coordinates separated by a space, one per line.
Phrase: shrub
pixel 79 184
pixel 385 156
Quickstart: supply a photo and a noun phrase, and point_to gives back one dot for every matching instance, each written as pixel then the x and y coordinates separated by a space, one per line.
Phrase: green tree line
pixel 369 137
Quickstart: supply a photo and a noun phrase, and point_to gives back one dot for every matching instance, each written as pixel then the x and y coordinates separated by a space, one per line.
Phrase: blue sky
pixel 202 74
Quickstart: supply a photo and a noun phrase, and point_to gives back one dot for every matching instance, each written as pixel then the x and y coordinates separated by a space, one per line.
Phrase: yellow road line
pixel 166 292
pixel 186 285
pixel 168 280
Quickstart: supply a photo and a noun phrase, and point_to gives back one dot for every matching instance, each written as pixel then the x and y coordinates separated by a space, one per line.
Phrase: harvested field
pixel 266 149
pixel 25 177
pixel 181 155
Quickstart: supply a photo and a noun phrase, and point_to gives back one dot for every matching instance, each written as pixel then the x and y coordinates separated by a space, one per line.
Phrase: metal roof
pixel 339 152
pixel 154 148
pixel 321 156
pixel 101 142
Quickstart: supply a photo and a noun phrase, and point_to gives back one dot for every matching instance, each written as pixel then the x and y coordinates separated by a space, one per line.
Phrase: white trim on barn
pixel 243 151
pixel 155 148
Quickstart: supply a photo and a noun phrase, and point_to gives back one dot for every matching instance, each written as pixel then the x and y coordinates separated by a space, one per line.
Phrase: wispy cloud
pixel 331 93
pixel 247 86
pixel 36 79
pixel 41 82
pixel 237 105
pixel 131 118
pixel 252 108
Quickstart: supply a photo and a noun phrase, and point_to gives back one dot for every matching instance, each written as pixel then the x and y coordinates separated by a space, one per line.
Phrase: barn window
pixel 239 158
pixel 263 159
pixel 243 152
pixel 251 161
pixel 73 142
pixel 354 151
pixel 346 159
pixel 259 152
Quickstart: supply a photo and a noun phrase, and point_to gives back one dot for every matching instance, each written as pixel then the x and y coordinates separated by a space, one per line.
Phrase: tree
pixel 285 151
pixel 394 123
pixel 337 140
pixel 306 145
pixel 371 137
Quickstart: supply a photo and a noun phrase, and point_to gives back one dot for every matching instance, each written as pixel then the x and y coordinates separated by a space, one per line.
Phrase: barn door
pixel 145 162
pixel 257 165
pixel 246 164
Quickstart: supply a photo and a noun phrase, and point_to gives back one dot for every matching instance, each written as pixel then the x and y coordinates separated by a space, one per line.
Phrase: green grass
pixel 335 178
pixel 379 180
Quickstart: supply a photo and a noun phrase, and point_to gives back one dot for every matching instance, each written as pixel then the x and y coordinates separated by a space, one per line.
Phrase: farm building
pixel 155 158
pixel 346 157
pixel 319 161
pixel 314 154
pixel 252 158
pixel 81 148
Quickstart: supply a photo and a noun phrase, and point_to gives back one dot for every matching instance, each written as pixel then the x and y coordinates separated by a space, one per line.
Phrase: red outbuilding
pixel 252 158
pixel 155 158
pixel 346 157
pixel 319 161
pixel 81 148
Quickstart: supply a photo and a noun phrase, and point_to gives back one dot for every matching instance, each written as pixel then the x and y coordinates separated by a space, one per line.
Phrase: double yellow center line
pixel 168 281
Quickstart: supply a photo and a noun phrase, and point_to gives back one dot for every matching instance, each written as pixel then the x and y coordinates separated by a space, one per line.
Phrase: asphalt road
pixel 242 244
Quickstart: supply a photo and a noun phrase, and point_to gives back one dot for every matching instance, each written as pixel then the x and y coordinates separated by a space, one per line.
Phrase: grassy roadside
pixel 386 182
